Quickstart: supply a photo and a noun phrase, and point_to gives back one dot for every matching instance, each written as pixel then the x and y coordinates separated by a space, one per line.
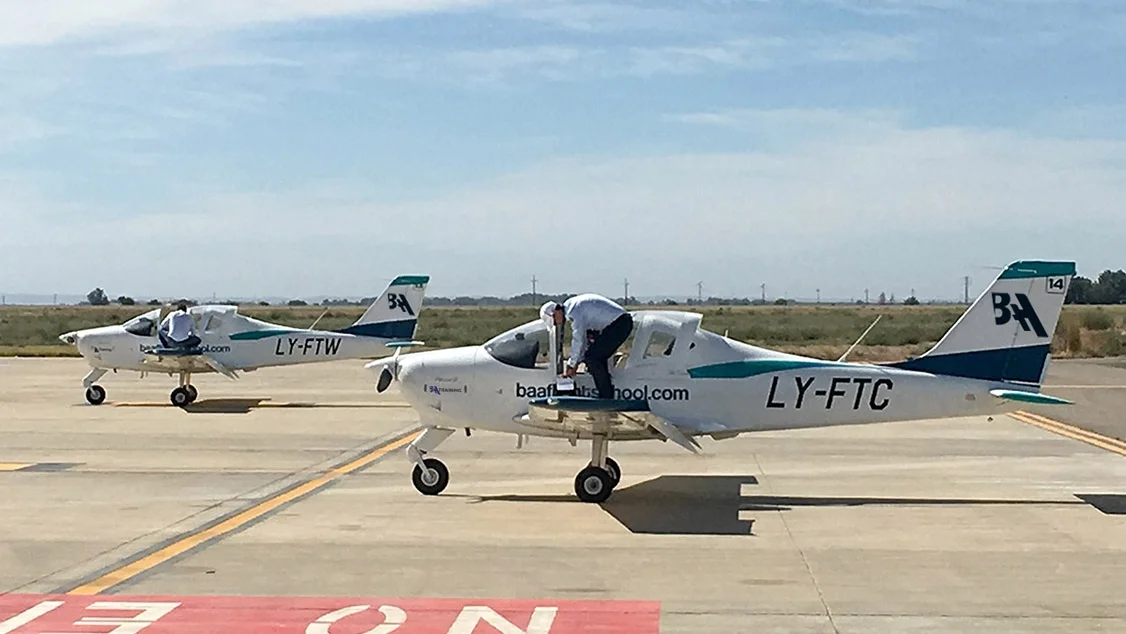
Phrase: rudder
pixel 1006 334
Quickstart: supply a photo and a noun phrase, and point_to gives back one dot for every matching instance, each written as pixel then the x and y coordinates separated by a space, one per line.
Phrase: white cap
pixel 546 312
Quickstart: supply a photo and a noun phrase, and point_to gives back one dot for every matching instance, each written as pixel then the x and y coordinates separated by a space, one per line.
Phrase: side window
pixel 660 344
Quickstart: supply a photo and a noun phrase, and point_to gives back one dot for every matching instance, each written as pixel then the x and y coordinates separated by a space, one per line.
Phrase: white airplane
pixel 231 343
pixel 680 382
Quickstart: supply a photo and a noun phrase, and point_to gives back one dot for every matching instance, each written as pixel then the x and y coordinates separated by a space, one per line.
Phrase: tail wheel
pixel 95 395
pixel 433 479
pixel 594 484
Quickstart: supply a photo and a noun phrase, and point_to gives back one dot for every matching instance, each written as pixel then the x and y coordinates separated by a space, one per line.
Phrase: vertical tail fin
pixel 394 314
pixel 1006 334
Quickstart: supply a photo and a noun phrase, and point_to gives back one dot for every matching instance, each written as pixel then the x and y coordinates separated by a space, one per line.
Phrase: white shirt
pixel 588 312
pixel 179 325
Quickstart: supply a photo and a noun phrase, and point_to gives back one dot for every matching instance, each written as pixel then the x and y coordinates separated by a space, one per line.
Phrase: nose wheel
pixel 95 395
pixel 431 478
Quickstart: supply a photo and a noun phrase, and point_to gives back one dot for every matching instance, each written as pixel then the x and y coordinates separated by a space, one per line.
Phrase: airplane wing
pixel 192 360
pixel 616 418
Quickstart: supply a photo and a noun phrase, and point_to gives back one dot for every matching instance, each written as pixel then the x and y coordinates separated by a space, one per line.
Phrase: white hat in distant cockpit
pixel 546 312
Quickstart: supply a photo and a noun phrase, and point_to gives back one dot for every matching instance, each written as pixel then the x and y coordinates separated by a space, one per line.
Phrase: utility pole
pixel 865 296
pixel 763 287
pixel 625 295
pixel 700 292
pixel 534 280
pixel 818 296
pixel 966 283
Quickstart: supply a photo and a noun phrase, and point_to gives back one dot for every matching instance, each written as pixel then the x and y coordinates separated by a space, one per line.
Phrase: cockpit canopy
pixel 144 325
pixel 220 319
pixel 527 346
pixel 662 342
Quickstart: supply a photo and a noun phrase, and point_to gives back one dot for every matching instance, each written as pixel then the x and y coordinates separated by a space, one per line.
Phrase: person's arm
pixel 578 340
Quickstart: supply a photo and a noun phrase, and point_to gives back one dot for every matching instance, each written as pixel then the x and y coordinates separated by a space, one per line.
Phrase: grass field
pixel 819 331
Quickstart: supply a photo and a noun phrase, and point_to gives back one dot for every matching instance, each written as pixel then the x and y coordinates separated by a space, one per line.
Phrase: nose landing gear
pixel 430 475
pixel 95 394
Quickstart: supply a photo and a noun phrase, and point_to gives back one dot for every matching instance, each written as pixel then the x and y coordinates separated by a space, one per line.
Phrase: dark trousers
pixel 598 353
pixel 168 342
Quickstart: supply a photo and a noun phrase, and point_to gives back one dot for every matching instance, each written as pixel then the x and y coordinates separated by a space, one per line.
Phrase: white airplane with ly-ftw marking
pixel 680 382
pixel 231 342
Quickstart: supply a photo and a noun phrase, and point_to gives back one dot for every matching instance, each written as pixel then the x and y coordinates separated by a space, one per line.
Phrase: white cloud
pixel 52 21
pixel 824 206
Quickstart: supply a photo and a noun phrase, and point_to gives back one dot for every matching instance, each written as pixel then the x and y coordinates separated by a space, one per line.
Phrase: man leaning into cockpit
pixel 599 326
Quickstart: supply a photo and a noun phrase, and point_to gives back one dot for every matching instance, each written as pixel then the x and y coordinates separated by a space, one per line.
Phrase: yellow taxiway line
pixel 1071 431
pixel 194 540
pixel 15 466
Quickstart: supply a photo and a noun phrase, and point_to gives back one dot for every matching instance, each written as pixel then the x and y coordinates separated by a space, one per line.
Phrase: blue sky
pixel 291 148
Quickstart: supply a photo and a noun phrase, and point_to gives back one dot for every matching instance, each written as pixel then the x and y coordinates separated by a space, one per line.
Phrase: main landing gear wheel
pixel 192 392
pixel 95 395
pixel 433 479
pixel 614 470
pixel 181 397
pixel 594 484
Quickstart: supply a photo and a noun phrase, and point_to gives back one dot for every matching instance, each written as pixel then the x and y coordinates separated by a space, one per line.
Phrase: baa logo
pixel 1006 310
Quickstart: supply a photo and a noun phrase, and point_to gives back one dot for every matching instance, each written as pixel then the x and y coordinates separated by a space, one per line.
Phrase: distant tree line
pixel 1108 288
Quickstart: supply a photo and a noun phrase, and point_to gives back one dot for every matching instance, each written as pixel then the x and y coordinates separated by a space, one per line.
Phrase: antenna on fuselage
pixel 865 334
pixel 318 320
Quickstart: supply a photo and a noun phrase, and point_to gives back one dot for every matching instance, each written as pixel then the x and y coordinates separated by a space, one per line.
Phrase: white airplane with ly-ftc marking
pixel 231 342
pixel 680 382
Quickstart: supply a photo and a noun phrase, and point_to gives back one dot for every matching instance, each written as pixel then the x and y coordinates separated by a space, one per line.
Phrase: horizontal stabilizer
pixel 1030 397
pixel 404 344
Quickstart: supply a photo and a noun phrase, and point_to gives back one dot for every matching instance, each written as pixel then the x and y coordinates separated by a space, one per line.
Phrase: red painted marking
pixel 108 614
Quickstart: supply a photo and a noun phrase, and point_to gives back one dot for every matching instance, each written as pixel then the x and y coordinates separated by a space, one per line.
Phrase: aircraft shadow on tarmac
pixel 246 405
pixel 711 505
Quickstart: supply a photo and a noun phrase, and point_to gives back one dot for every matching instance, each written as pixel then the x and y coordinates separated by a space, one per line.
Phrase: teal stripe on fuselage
pixel 1037 268
pixel 254 335
pixel 755 367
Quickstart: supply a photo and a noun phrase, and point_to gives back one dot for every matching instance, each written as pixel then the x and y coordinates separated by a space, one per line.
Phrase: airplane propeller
pixel 388 375
pixel 390 371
